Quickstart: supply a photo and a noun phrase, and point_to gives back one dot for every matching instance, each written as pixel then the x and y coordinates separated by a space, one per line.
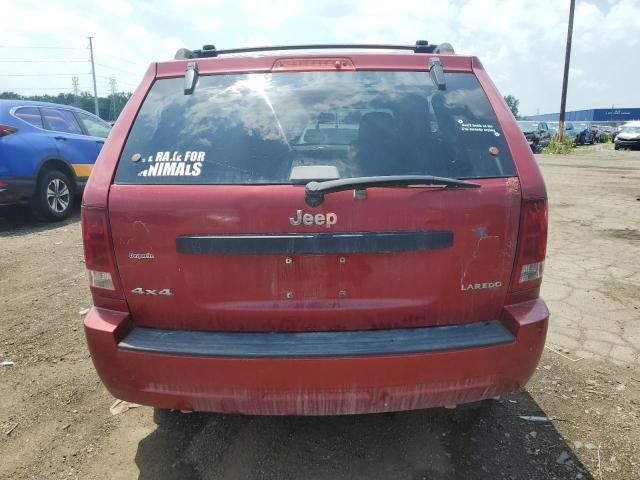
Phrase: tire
pixel 55 196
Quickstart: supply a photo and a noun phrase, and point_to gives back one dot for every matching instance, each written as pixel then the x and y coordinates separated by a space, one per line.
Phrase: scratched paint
pixel 260 292
pixel 353 399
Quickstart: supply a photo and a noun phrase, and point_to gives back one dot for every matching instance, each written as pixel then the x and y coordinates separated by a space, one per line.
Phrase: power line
pixel 121 59
pixel 61 89
pixel 38 46
pixel 34 88
pixel 44 61
pixel 118 69
pixel 43 74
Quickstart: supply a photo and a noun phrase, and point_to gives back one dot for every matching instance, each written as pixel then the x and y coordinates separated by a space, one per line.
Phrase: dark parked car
pixel 537 134
pixel 604 133
pixel 47 152
pixel 582 133
pixel 392 260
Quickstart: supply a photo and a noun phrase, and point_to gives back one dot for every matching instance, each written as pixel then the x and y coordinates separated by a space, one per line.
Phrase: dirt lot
pixel 54 413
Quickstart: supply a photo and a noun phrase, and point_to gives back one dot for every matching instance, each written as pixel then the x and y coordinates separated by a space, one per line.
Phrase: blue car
pixel 47 152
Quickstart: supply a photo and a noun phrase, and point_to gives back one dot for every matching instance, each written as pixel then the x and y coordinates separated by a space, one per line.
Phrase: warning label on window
pixel 478 127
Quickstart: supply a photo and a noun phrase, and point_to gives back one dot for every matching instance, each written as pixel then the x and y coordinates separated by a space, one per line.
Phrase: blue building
pixel 593 115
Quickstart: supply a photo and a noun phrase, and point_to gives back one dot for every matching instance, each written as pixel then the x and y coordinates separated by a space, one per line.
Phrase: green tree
pixel 9 96
pixel 513 103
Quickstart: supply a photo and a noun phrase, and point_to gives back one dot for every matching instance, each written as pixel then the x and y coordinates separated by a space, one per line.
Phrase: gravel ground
pixel 54 413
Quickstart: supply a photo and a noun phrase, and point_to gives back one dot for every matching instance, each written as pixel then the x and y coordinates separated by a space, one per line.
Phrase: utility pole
pixel 93 73
pixel 114 106
pixel 76 90
pixel 565 80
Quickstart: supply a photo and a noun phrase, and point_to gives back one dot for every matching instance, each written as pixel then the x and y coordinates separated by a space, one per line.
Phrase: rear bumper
pixel 141 366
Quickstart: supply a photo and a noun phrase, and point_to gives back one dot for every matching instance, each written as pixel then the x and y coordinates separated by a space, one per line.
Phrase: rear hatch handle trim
pixel 315 243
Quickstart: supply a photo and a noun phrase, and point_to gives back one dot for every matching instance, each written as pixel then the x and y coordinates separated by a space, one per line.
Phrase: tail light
pixel 7 130
pixel 98 255
pixel 532 246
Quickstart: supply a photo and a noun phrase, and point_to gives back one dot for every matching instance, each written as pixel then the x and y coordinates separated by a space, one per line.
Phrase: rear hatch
pixel 211 229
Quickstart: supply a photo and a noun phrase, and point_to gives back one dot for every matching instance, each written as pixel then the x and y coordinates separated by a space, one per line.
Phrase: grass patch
pixel 557 146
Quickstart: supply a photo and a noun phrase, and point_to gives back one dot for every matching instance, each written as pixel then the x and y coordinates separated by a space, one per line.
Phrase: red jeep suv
pixel 315 230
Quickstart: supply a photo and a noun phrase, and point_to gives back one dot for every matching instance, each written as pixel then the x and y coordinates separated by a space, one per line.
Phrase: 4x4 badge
pixel 328 220
pixel 147 291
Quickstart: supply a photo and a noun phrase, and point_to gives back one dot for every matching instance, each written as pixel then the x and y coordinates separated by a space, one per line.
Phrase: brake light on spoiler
pixel 312 64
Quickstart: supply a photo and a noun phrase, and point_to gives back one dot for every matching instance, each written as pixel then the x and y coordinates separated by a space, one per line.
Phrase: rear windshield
pixel 266 128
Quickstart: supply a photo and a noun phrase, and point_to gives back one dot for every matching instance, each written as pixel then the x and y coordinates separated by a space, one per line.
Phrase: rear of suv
pixel 338 230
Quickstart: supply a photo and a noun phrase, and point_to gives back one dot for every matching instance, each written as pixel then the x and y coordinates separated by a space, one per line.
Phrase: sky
pixel 520 43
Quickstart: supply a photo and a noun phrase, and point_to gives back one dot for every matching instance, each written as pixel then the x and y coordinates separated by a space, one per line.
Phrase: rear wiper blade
pixel 314 192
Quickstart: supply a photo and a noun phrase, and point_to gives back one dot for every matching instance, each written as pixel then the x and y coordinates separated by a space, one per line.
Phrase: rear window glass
pixel 30 115
pixel 258 128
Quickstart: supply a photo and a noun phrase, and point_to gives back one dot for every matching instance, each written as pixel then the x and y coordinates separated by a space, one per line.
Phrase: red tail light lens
pixel 98 254
pixel 7 130
pixel 532 247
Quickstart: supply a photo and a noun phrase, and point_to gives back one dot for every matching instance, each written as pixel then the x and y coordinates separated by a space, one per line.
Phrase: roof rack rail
pixel 421 46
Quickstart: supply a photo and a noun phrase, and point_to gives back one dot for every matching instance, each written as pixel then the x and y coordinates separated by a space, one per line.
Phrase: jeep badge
pixel 328 220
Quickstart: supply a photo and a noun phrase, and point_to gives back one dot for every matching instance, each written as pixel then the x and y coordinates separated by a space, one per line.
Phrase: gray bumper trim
pixel 316 344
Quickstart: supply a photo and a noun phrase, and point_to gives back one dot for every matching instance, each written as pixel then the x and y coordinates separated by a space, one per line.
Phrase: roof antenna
pixel 190 78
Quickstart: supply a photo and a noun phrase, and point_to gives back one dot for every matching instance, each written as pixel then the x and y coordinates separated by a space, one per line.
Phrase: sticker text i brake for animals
pixel 173 164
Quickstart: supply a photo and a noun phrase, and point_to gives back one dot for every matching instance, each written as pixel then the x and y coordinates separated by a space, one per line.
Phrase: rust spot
pixel 494 151
pixel 513 185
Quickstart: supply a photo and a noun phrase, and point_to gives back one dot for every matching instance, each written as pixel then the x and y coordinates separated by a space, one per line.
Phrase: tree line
pixel 110 107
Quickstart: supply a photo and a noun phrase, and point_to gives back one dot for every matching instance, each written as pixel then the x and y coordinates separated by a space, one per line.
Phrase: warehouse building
pixel 618 115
